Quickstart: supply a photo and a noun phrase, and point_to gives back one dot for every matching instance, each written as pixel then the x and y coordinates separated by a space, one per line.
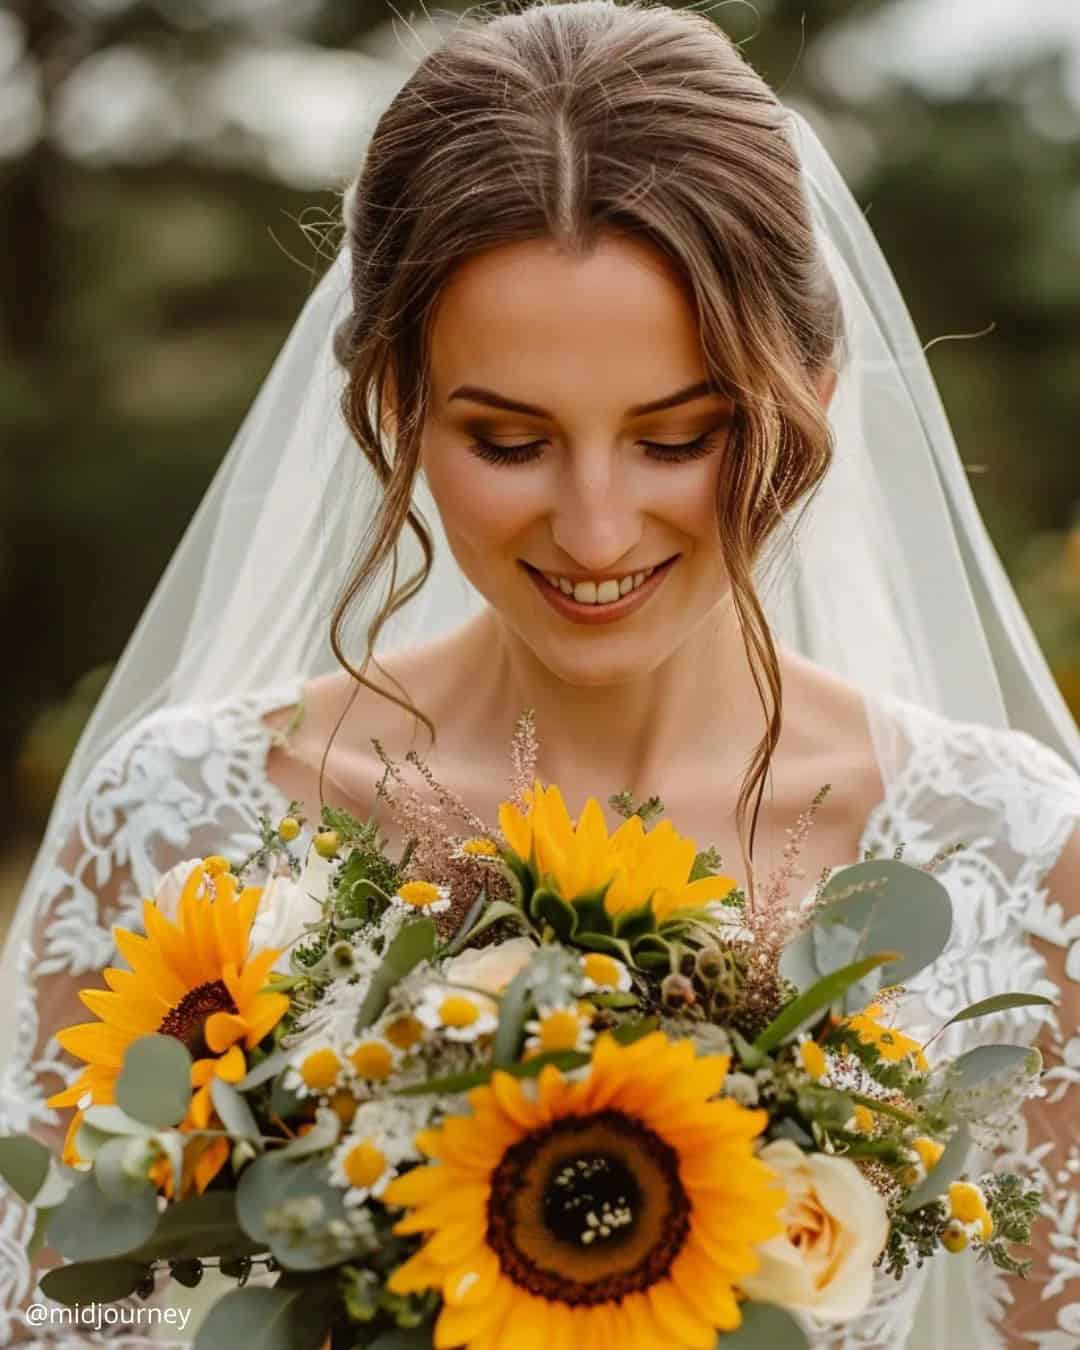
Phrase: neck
pixel 699 705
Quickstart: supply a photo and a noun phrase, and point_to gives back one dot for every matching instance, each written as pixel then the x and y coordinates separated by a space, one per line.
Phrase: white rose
pixel 490 968
pixel 836 1227
pixel 287 906
pixel 170 887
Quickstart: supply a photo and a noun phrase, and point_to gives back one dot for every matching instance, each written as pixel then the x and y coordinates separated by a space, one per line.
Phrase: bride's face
pixel 572 435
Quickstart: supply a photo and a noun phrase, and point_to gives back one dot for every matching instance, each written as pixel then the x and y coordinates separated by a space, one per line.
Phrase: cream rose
pixel 490 968
pixel 836 1227
pixel 285 906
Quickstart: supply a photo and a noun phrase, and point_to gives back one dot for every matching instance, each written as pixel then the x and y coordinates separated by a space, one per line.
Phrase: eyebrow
pixel 474 394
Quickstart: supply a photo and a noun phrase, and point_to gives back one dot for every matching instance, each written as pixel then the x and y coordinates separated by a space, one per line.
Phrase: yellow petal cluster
pixel 641 865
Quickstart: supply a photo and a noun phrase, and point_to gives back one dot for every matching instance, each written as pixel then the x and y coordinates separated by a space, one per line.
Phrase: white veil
pixel 890 579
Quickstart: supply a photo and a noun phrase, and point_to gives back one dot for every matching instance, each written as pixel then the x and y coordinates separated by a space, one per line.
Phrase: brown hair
pixel 561 121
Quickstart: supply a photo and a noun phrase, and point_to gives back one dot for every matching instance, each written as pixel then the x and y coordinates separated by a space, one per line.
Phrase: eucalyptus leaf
pixel 273 1181
pixel 764 1327
pixel 234 1112
pixel 58 1181
pixel 93 1281
pixel 414 943
pixel 278 1318
pixel 108 1172
pixel 322 1135
pixel 404 1338
pixel 89 1141
pixel 513 1007
pixel 270 1067
pixel 154 1084
pixel 947 1168
pixel 111 1120
pixel 998 1003
pixel 89 1226
pixel 903 909
pixel 984 1062
pixel 815 999
pixel 201 1226
pixel 24 1164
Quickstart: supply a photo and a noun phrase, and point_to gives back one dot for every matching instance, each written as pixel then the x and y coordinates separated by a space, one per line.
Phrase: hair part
pixel 565 121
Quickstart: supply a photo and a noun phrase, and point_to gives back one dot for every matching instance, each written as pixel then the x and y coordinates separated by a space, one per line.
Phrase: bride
pixel 614 399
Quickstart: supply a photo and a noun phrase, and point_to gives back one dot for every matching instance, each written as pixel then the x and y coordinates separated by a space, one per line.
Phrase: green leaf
pixel 89 1226
pixel 905 911
pixel 764 1327
pixel 984 1062
pixel 235 1113
pixel 108 1172
pixel 154 1084
pixel 633 923
pixel 999 1003
pixel 111 1120
pixel 404 1338
pixel 553 909
pixel 947 1168
pixel 592 915
pixel 818 997
pixel 749 1057
pixel 201 1226
pixel 322 1135
pixel 415 942
pixel 270 1182
pixel 513 1006
pixel 266 1069
pixel 465 927
pixel 93 1281
pixel 284 1317
pixel 498 909
pixel 23 1164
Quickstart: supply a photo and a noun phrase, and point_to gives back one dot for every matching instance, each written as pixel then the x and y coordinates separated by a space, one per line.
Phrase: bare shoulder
pixel 827 736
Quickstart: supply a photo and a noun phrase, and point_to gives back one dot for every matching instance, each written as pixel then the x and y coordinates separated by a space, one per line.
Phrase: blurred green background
pixel 167 169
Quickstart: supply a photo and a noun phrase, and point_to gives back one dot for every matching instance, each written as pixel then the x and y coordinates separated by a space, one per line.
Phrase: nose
pixel 597 520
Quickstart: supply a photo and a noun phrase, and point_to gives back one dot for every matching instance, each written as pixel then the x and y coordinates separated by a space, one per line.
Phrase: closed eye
pixel 528 451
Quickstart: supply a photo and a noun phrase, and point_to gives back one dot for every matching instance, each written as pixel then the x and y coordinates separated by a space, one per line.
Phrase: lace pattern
pixel 192 780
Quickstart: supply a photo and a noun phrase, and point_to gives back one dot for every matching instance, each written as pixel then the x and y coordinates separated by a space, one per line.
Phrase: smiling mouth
pixel 604 601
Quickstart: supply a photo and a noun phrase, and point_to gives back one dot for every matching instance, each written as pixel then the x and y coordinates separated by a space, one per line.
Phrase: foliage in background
pixel 144 296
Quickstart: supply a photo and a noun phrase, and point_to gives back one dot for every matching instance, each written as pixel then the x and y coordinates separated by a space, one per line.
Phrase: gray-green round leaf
pixel 23 1164
pixel 88 1226
pixel 93 1281
pixel 154 1084
pixel 272 1319
pixel 764 1327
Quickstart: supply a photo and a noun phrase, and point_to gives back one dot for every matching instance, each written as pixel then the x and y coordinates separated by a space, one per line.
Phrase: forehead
pixel 528 315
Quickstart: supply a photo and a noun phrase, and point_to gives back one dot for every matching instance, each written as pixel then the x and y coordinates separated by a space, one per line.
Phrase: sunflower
pixel 641 865
pixel 618 1209
pixel 192 979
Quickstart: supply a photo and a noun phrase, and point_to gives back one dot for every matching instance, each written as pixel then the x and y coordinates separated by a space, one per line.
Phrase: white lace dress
pixel 193 780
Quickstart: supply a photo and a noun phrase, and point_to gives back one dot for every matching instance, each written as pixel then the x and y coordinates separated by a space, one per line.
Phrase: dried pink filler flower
pixel 524 751
pixel 425 824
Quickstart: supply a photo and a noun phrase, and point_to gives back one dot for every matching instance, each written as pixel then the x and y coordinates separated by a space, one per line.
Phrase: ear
pixel 826 386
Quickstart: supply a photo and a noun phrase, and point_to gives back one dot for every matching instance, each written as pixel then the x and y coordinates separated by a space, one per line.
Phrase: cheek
pixel 483 507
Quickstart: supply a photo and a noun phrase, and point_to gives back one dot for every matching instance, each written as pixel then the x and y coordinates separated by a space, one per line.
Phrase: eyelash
pixel 698 448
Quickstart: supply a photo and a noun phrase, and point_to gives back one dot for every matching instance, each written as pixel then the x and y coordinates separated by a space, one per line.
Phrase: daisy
pixel 458 1013
pixel 603 974
pixel 423 897
pixel 565 1027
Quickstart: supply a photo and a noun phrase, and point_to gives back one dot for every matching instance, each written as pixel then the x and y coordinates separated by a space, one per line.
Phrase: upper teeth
pixel 599 592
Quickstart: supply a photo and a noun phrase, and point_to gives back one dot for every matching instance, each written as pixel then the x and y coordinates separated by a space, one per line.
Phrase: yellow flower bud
pixel 929 1150
pixel 288 828
pixel 327 843
pixel 954 1237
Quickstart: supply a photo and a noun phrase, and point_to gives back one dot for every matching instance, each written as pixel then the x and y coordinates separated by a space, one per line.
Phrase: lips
pixel 577 612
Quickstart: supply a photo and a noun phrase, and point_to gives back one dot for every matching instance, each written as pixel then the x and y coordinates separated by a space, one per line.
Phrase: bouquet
pixel 539 1086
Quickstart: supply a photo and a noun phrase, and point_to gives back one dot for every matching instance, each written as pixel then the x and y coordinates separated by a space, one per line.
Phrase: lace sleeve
pixel 1044 1309
pixel 182 783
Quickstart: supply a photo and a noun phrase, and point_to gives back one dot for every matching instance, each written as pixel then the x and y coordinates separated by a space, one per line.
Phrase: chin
pixel 602 662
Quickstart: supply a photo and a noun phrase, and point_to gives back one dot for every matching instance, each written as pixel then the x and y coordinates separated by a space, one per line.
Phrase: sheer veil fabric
pixel 888 578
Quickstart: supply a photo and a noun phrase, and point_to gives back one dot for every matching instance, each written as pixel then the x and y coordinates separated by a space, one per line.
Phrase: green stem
pixel 884 1108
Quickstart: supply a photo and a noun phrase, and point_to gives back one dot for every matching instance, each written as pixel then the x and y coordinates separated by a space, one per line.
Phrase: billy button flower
pixel 968 1217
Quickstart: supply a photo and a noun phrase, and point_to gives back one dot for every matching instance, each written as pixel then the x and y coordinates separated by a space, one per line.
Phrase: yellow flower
pixel 618 1209
pixel 813 1058
pixel 193 979
pixel 864 1120
pixel 929 1151
pixel 891 1044
pixel 640 864
pixel 967 1205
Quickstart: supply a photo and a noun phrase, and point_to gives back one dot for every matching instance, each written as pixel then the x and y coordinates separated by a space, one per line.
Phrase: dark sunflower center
pixel 591 1199
pixel 588 1210
pixel 186 1020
